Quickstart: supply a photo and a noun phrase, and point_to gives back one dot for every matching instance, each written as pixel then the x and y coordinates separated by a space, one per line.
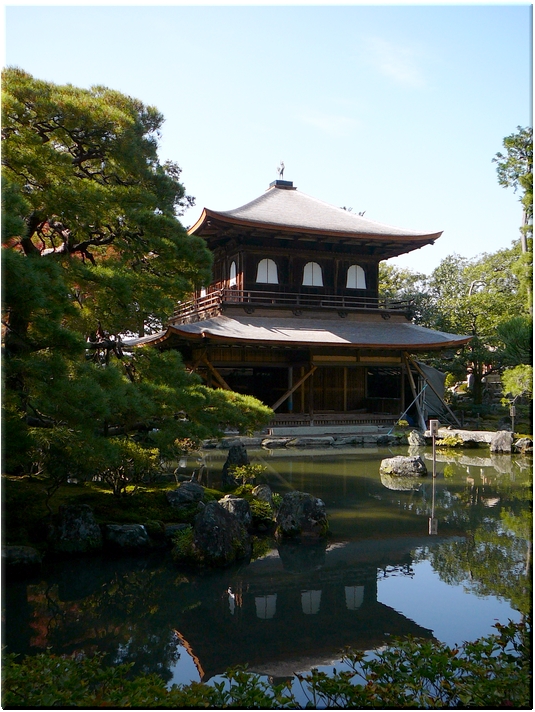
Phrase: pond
pixel 380 575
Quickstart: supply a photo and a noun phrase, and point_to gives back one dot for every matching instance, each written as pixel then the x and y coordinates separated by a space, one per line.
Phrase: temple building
pixel 293 314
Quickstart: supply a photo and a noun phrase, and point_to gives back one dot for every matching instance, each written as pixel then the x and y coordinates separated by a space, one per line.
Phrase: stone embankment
pixel 299 442
pixel 499 441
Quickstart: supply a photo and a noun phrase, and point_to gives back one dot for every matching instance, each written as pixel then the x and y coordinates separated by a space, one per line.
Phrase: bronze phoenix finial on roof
pixel 280 170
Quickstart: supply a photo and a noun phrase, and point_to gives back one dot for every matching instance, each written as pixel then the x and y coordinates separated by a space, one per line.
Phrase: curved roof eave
pixel 205 334
pixel 207 214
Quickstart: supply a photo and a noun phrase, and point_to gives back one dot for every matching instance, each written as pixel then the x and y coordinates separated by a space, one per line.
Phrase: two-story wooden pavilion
pixel 293 315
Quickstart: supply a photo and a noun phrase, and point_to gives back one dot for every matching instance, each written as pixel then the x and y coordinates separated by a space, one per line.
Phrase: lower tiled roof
pixel 309 332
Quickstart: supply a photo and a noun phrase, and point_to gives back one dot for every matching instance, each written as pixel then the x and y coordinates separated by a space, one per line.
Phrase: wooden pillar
pixel 345 389
pixel 402 404
pixel 311 397
pixel 290 385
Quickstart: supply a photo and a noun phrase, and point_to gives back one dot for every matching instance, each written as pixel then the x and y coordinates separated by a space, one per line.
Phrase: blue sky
pixel 394 110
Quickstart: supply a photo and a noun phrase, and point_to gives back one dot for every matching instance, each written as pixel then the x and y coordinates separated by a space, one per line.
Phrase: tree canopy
pixel 94 250
pixel 483 297
pixel 515 167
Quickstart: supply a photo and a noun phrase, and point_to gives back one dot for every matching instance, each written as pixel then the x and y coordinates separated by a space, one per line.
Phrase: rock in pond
pixel 75 530
pixel 239 507
pixel 264 494
pixel 524 445
pixel 306 442
pixel 129 537
pixel 403 466
pixel 416 439
pixel 502 441
pixel 301 515
pixel 219 538
pixel 237 457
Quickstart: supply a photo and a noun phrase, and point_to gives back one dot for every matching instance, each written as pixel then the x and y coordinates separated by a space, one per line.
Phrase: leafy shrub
pixel 262 513
pixel 182 551
pixel 491 673
pixel 450 441
pixel 247 474
pixel 276 498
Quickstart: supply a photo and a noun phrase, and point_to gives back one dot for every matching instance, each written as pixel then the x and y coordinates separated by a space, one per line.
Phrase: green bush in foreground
pixel 492 672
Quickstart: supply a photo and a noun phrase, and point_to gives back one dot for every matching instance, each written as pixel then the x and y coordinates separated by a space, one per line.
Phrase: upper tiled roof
pixel 284 207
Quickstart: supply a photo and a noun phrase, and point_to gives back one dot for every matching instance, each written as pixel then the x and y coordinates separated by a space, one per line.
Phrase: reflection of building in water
pixel 294 619
pixel 266 606
pixel 354 597
pixel 310 602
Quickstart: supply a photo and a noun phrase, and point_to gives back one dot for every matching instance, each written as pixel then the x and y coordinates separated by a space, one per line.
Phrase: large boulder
pixel 306 442
pixel 75 530
pixel 127 537
pixel 239 507
pixel 219 538
pixel 275 443
pixel 403 466
pixel 524 445
pixel 301 515
pixel 186 494
pixel 502 441
pixel 416 439
pixel 237 457
pixel 263 493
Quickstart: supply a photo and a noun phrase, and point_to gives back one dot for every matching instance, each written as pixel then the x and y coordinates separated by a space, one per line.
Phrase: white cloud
pixel 398 62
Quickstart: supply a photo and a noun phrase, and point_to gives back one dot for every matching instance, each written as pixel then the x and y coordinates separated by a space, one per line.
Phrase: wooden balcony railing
pixel 214 301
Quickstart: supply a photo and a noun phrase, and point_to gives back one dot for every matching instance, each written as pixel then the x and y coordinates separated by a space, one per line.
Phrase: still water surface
pixel 380 575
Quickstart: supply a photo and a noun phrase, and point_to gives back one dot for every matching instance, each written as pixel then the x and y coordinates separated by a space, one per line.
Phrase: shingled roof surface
pixel 283 207
pixel 311 332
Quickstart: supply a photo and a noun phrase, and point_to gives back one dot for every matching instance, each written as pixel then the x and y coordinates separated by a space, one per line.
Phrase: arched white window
pixel 356 277
pixel 267 272
pixel 232 280
pixel 203 291
pixel 312 275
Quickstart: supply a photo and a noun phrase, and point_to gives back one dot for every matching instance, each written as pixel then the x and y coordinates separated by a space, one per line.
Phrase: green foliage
pixel 261 546
pixel 396 283
pixel 516 335
pixel 450 441
pixel 125 463
pixel 262 513
pixel 518 381
pixel 491 673
pixel 183 551
pixel 247 474
pixel 276 498
pixel 93 252
pixel 515 167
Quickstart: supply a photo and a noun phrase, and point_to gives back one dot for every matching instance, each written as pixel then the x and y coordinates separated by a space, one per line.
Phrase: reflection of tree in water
pixel 144 636
pixel 494 558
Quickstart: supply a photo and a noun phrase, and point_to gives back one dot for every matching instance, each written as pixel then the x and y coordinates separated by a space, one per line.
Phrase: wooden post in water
pixel 433 523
